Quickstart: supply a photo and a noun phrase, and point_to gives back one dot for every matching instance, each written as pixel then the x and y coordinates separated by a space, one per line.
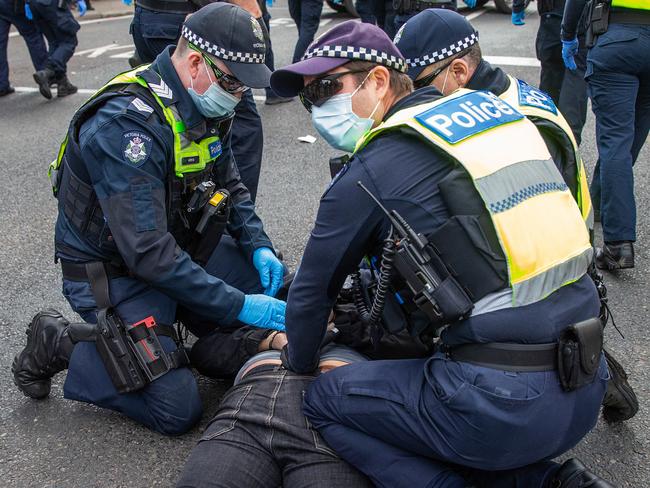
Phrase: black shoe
pixel 620 402
pixel 7 91
pixel 574 474
pixel 41 359
pixel 276 100
pixel 615 255
pixel 64 87
pixel 44 78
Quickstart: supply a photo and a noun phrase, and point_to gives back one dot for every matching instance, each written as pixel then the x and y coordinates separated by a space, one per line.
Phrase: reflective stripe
pixel 544 284
pixel 515 183
pixel 636 4
pixel 538 224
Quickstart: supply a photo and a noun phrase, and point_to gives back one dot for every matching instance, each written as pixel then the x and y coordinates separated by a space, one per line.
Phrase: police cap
pixel 232 35
pixel 348 41
pixel 433 35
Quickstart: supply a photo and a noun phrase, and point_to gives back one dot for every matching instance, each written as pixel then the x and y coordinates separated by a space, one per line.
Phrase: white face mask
pixel 337 123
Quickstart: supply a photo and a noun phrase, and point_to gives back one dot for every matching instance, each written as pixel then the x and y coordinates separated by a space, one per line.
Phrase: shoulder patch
pixel 468 115
pixel 534 97
pixel 139 106
pixel 136 147
pixel 215 149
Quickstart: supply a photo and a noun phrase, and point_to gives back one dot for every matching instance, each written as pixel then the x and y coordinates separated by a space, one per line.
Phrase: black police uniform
pixel 157 24
pixel 12 12
pixel 405 9
pixel 567 88
pixel 56 22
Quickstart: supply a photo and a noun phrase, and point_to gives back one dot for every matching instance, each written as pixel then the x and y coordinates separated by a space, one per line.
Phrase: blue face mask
pixel 215 102
pixel 337 123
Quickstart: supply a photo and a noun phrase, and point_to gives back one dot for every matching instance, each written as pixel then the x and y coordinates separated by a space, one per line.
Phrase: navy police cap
pixel 433 35
pixel 347 41
pixel 232 35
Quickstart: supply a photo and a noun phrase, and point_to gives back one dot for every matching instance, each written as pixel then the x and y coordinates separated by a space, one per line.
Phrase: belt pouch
pixel 579 350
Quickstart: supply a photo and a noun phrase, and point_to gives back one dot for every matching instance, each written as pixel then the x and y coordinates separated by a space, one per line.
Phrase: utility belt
pixel 132 353
pixel 414 6
pixel 186 7
pixel 601 16
pixel 575 356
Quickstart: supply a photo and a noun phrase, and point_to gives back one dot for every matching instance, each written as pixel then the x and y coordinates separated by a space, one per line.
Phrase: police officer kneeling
pixel 519 362
pixel 146 185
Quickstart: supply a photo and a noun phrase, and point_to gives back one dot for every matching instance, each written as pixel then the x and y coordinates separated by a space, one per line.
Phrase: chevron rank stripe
pixel 161 89
pixel 141 106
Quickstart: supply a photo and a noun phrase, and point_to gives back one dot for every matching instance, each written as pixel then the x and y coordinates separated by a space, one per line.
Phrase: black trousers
pixel 567 88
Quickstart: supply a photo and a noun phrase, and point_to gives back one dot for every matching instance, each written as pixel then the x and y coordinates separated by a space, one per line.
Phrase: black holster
pixel 598 21
pixel 579 351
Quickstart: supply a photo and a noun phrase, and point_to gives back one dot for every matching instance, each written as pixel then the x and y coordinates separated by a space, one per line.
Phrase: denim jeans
pixel 259 438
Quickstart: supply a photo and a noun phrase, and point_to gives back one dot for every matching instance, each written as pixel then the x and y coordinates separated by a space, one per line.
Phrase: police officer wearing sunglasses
pixel 473 176
pixel 136 181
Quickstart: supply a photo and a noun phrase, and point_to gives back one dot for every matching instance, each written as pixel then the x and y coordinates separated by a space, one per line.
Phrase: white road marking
pixel 98 51
pixel 473 15
pixel 513 61
pixel 125 55
pixel 87 91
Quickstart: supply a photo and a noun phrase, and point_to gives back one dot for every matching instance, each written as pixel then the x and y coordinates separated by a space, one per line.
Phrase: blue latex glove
pixel 518 18
pixel 262 311
pixel 270 269
pixel 470 3
pixel 81 6
pixel 28 12
pixel 269 3
pixel 127 2
pixel 569 50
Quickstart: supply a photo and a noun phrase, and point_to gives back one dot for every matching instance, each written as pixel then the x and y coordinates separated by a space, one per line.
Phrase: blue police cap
pixel 433 35
pixel 234 36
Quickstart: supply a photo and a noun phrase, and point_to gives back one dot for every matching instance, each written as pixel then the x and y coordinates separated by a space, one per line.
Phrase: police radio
pixel 435 291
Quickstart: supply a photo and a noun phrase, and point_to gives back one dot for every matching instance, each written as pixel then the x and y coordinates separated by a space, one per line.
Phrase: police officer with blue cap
pixel 146 184
pixel 442 50
pixel 480 242
pixel 618 70
pixel 157 24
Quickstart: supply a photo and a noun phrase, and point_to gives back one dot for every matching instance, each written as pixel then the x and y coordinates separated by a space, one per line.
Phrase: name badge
pixel 467 116
pixel 534 97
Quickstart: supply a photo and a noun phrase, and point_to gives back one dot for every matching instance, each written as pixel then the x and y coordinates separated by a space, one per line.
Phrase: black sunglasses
pixel 426 81
pixel 322 89
pixel 229 83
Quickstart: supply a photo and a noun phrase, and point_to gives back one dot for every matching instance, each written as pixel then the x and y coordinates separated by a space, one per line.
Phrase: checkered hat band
pixel 226 55
pixel 359 54
pixel 445 52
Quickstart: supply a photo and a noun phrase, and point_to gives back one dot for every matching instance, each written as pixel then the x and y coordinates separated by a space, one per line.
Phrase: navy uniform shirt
pixel 129 156
pixel 403 172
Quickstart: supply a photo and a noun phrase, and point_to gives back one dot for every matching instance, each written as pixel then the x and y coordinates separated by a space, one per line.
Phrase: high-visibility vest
pixel 534 103
pixel 539 226
pixel 189 156
pixel 635 4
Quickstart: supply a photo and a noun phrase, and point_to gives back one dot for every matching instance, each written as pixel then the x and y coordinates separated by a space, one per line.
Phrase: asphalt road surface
pixel 59 443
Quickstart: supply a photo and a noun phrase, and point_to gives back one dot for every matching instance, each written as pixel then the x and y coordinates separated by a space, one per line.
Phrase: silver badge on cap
pixel 257 29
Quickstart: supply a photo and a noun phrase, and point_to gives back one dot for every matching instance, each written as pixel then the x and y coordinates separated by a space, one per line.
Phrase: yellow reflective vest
pixel 189 156
pixel 636 4
pixel 539 226
pixel 534 103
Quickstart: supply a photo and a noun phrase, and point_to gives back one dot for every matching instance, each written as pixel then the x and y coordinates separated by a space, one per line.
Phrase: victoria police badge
pixel 136 147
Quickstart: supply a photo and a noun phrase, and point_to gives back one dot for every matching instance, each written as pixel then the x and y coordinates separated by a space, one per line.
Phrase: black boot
pixel 615 255
pixel 574 474
pixel 44 78
pixel 620 402
pixel 46 353
pixel 64 87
